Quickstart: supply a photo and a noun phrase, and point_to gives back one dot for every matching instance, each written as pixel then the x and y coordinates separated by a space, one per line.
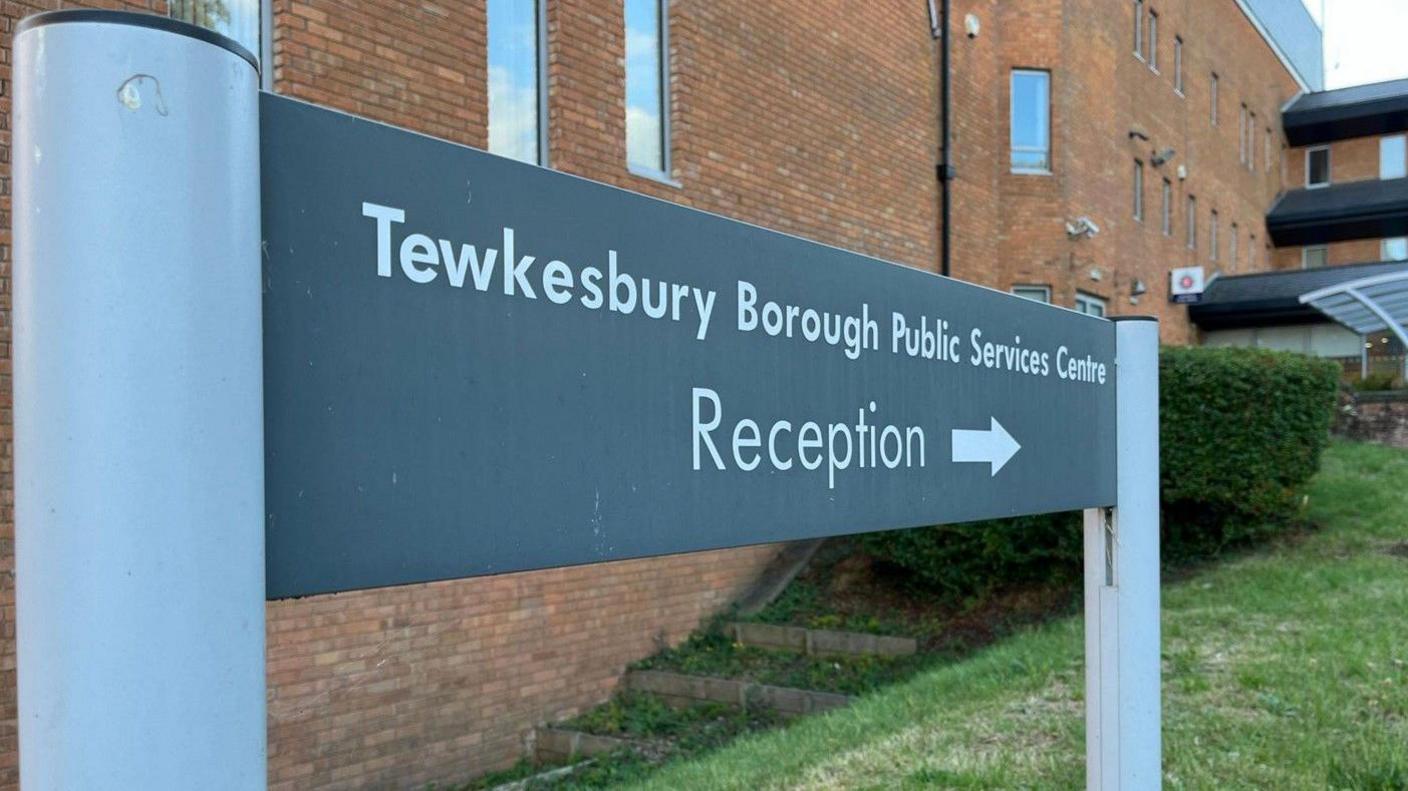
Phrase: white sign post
pixel 1123 711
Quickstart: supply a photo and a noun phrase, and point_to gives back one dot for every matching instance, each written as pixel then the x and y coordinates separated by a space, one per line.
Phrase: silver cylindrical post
pixel 138 406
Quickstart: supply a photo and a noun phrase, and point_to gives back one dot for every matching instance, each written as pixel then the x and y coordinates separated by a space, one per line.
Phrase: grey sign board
pixel 476 366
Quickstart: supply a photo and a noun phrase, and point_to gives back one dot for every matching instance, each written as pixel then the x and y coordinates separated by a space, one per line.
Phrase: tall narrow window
pixel 647 92
pixel 1031 121
pixel 1242 136
pixel 1317 167
pixel 515 39
pixel 1153 42
pixel 1138 190
pixel 1212 235
pixel 1251 141
pixel 1392 157
pixel 1232 248
pixel 1168 208
pixel 1192 223
pixel 1139 29
pixel 1212 94
pixel 1178 64
pixel 1266 150
pixel 1395 249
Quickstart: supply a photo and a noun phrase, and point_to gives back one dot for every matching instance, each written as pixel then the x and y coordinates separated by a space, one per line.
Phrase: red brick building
pixel 1095 145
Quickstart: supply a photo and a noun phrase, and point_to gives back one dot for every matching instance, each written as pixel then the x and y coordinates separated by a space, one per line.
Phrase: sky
pixel 1364 40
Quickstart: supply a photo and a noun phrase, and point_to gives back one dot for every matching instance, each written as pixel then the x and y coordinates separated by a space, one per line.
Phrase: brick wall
pixel 1356 159
pixel 1354 251
pixel 1012 227
pixel 1374 417
pixel 822 124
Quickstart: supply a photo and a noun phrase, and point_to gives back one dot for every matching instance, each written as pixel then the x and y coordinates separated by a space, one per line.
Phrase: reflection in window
pixel 515 80
pixel 238 19
pixel 1031 121
pixel 1393 159
pixel 1395 249
pixel 647 102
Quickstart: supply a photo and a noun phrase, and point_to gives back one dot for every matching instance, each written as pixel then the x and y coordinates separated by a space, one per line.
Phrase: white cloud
pixel 513 116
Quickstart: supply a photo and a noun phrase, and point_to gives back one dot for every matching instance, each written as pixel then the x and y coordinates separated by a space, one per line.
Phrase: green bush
pixel 1241 431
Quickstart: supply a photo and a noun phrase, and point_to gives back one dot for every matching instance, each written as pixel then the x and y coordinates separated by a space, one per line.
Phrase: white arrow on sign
pixel 994 446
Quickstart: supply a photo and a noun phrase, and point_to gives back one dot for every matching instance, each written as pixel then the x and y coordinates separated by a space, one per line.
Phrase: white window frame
pixel 1305 255
pixel 1328 178
pixel 540 21
pixel 1138 190
pixel 1402 143
pixel 1192 210
pixel 1033 291
pixel 1178 65
pixel 1085 302
pixel 1242 135
pixel 1139 29
pixel 1213 220
pixel 1214 88
pixel 1012 120
pixel 1168 207
pixel 1383 248
pixel 1251 140
pixel 667 161
pixel 1151 40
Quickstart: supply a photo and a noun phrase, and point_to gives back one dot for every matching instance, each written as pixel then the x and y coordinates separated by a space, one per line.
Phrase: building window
pixel 1212 92
pixel 1138 191
pixel 1038 293
pixel 1192 223
pixel 1212 235
pixel 240 20
pixel 1168 208
pixel 1314 257
pixel 1232 248
pixel 1251 141
pixel 1392 157
pixel 1031 121
pixel 516 84
pixel 1242 136
pixel 1153 41
pixel 1178 65
pixel 1089 304
pixel 647 87
pixel 1395 249
pixel 1317 167
pixel 1139 29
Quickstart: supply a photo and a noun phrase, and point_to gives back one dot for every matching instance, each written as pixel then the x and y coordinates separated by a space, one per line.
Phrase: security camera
pixel 1081 227
pixel 971 25
pixel 1163 156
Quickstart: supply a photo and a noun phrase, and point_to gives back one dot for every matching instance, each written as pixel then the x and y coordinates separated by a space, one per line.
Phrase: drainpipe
pixel 940 30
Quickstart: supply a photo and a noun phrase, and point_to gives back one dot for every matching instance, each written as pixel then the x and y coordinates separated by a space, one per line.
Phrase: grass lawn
pixel 1284 668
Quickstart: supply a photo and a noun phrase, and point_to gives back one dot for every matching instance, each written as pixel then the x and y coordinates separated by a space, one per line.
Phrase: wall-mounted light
pixel 1138 288
pixel 1137 133
pixel 1161 157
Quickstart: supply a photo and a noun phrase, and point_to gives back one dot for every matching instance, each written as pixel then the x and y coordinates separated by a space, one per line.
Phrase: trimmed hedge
pixel 1241 432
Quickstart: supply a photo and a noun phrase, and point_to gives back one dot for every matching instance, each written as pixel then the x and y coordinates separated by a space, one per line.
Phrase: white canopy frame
pixel 1378 303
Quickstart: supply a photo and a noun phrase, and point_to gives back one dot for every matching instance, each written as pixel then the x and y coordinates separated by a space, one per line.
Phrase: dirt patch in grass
pixel 845 588
pixel 1399 550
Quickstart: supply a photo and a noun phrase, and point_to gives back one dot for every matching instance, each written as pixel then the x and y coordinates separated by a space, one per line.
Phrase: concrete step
pixel 821 642
pixel 551 745
pixel 683 690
